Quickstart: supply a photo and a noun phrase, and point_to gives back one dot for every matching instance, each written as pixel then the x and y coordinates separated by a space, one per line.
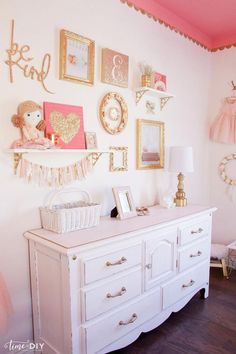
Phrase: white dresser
pixel 96 290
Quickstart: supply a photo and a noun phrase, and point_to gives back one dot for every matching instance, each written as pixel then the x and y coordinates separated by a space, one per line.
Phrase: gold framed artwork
pixel 118 159
pixel 113 113
pixel 150 144
pixel 124 202
pixel 76 58
pixel 115 68
pixel 91 140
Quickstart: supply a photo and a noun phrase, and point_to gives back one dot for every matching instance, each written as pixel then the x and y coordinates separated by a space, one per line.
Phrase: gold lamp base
pixel 180 199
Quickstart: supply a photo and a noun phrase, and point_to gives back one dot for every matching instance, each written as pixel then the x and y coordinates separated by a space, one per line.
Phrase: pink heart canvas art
pixel 66 122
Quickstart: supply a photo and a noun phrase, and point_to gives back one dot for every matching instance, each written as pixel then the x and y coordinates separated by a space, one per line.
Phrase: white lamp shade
pixel 181 159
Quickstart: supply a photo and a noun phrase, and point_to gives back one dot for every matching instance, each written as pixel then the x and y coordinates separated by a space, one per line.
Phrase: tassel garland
pixel 54 176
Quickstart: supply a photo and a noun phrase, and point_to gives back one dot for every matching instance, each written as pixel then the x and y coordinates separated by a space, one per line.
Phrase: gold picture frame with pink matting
pixel 66 122
pixel 115 68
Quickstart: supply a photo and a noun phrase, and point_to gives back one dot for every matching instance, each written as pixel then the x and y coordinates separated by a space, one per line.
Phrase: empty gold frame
pixel 118 159
pixel 150 144
pixel 76 58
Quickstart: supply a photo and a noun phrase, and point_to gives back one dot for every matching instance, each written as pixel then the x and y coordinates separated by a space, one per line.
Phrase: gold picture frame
pixel 115 68
pixel 76 58
pixel 113 113
pixel 91 140
pixel 124 202
pixel 121 153
pixel 150 144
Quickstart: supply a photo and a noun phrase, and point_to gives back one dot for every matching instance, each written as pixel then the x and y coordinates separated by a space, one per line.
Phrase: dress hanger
pixel 232 99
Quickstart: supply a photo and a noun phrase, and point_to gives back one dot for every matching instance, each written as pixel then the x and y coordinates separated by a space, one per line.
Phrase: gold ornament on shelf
pixel 17 57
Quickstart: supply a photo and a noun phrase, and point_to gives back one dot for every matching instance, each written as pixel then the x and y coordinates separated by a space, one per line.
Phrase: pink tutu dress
pixel 5 306
pixel 223 129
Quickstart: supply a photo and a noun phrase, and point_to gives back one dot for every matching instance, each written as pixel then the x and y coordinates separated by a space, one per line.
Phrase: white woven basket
pixel 71 216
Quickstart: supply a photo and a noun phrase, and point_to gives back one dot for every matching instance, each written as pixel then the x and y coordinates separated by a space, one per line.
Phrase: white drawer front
pixel 193 254
pixel 112 294
pixel 110 328
pixel 194 230
pixel 184 284
pixel 111 263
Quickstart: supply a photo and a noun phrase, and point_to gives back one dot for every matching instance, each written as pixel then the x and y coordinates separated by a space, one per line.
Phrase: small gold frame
pixel 146 155
pixel 72 59
pixel 124 166
pixel 123 113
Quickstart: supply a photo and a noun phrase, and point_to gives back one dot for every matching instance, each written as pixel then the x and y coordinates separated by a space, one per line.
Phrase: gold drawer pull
pixel 122 260
pixel 189 284
pixel 131 320
pixel 120 293
pixel 198 254
pixel 197 231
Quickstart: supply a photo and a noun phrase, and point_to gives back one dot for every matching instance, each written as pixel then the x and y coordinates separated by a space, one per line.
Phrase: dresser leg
pixel 204 292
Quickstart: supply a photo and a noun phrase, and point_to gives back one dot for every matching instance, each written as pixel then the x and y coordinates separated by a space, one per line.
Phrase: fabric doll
pixel 29 120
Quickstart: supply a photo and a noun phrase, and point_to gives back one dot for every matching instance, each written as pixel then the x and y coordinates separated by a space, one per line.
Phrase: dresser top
pixel 110 227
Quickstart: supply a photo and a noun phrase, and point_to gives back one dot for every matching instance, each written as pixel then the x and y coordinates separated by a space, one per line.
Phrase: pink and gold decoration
pixel 115 68
pixel 65 121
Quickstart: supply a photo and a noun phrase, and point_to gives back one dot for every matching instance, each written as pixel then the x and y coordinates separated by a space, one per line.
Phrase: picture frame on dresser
pixel 76 58
pixel 124 202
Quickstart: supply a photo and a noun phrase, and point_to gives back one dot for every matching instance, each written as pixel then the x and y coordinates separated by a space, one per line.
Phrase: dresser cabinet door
pixel 160 257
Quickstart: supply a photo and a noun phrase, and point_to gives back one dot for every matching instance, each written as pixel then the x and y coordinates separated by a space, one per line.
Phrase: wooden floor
pixel 202 326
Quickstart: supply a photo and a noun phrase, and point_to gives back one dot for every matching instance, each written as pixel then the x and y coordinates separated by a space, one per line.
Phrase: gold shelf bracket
pixel 94 157
pixel 17 157
pixel 163 101
pixel 139 95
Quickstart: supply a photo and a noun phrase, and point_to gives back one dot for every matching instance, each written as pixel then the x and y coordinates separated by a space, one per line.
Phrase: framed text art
pixel 76 58
pixel 66 122
pixel 150 144
pixel 115 68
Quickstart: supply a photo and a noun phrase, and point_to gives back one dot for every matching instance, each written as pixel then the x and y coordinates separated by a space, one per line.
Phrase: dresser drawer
pixel 184 284
pixel 193 231
pixel 107 330
pixel 111 263
pixel 194 253
pixel 111 294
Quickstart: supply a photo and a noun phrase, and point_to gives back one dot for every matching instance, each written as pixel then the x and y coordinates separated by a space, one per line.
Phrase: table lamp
pixel 181 161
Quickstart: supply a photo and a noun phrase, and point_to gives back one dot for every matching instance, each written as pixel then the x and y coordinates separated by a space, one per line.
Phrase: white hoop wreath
pixel 230 181
pixel 222 165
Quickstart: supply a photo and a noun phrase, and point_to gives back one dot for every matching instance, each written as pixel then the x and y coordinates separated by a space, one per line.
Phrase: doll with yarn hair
pixel 29 120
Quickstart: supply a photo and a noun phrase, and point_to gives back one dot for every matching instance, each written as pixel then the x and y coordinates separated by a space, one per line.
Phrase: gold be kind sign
pixel 18 58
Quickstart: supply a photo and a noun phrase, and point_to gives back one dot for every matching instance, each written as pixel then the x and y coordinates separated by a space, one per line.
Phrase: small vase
pixel 146 80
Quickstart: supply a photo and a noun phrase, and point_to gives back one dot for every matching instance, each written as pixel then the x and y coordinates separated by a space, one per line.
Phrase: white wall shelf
pixel 162 95
pixel 94 154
